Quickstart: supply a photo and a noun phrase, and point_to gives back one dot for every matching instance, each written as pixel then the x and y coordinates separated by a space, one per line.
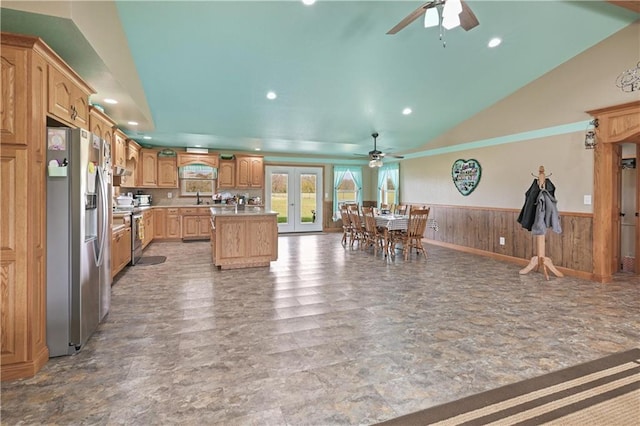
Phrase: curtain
pixel 393 174
pixel 382 178
pixel 356 172
pixel 338 174
pixel 388 172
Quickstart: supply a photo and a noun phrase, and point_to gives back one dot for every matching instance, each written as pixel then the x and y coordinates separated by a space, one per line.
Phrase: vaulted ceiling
pixel 197 73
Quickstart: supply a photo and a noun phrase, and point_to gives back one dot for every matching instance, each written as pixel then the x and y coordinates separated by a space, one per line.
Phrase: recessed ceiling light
pixel 407 111
pixel 111 101
pixel 146 137
pixel 257 149
pixel 271 95
pixel 308 2
pixel 132 123
pixel 494 42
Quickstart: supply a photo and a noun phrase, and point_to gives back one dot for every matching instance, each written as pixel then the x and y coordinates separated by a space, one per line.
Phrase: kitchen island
pixel 243 238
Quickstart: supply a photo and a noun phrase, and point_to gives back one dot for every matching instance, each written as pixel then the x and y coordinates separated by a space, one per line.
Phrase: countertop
pixel 209 205
pixel 247 211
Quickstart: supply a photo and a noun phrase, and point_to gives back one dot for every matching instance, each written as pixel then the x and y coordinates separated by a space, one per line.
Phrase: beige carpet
pixel 603 392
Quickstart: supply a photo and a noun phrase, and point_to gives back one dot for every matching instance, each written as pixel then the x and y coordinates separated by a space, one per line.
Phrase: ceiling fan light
pixel 372 163
pixel 451 21
pixel 452 7
pixel 431 18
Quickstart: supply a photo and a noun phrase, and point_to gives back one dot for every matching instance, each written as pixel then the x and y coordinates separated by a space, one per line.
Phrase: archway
pixel 616 124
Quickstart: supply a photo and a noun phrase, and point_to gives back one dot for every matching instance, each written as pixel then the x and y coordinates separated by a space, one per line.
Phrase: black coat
pixel 528 213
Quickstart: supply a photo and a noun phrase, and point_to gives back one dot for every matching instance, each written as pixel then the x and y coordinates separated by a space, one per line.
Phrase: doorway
pixel 628 209
pixel 296 194
pixel 615 126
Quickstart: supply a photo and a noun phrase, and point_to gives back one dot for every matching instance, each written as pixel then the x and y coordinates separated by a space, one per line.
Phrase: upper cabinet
pixel 119 151
pixel 133 165
pixel 158 171
pixel 167 172
pixel 68 97
pixel 227 174
pixel 101 125
pixel 249 171
pixel 188 158
pixel 149 165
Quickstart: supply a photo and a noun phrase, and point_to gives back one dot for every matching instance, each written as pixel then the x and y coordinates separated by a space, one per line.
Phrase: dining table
pixel 396 222
pixel 388 223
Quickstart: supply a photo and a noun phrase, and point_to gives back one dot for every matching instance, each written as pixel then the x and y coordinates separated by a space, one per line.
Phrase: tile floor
pixel 325 336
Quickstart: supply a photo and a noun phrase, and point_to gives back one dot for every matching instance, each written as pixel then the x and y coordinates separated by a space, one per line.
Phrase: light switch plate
pixel 587 200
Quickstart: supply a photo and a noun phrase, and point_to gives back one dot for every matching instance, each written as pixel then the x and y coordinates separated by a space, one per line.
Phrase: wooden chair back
pixel 417 222
pixel 372 236
pixel 401 209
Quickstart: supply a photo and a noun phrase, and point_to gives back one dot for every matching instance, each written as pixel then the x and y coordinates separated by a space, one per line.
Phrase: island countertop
pixel 247 211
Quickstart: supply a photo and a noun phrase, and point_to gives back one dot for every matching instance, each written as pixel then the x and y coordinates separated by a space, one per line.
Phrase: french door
pixel 296 194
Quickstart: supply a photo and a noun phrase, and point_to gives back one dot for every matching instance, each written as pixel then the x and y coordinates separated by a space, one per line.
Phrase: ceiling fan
pixel 376 156
pixel 453 13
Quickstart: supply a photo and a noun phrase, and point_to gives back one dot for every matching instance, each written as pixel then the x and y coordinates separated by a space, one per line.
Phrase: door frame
pixel 294 172
pixel 616 125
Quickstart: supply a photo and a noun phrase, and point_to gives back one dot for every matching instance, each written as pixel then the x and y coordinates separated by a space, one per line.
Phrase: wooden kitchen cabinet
pixel 173 224
pixel 132 159
pixel 167 172
pixel 159 223
pixel 149 165
pixel 195 223
pixel 119 152
pixel 24 104
pixel 167 223
pixel 249 171
pixel 188 158
pixel 147 218
pixel 101 125
pixel 244 240
pixel 227 174
pixel 157 172
pixel 68 97
pixel 120 250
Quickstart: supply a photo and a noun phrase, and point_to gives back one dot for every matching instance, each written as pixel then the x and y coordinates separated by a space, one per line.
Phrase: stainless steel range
pixel 137 230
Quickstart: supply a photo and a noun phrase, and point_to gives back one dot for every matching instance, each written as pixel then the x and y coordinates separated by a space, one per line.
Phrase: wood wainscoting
pixel 478 230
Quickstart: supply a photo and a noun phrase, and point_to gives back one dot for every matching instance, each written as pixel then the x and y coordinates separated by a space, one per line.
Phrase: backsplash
pixel 161 196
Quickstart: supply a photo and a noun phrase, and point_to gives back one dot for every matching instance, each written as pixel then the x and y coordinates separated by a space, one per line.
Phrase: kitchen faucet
pixel 198 200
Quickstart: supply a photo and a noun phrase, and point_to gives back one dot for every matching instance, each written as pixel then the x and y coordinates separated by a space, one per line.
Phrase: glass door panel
pixel 296 194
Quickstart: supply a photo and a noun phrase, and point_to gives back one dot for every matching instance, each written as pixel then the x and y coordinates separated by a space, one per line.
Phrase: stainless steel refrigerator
pixel 79 197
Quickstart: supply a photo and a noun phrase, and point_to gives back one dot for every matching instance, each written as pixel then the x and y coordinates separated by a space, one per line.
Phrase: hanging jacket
pixel 528 213
pixel 546 214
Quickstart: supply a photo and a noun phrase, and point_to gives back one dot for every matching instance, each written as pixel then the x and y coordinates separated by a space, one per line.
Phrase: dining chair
pixel 346 224
pixel 357 227
pixel 401 209
pixel 372 235
pixel 412 238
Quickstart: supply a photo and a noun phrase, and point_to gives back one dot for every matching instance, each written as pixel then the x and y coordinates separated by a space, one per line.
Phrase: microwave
pixel 143 199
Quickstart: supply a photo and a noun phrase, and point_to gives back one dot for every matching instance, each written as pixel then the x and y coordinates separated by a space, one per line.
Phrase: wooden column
pixel 603 211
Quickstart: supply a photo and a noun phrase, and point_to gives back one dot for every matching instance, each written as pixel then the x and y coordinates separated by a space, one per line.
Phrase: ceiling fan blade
pixel 468 19
pixel 395 156
pixel 412 17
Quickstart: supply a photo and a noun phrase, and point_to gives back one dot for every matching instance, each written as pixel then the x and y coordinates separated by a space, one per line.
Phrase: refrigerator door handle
pixel 104 206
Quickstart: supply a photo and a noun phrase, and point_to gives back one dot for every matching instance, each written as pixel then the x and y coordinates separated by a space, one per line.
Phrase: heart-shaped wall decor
pixel 466 175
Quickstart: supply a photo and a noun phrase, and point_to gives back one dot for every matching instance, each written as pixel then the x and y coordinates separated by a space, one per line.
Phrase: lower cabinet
pixel 212 230
pixel 120 250
pixel 244 240
pixel 195 223
pixel 173 224
pixel 159 223
pixel 147 217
